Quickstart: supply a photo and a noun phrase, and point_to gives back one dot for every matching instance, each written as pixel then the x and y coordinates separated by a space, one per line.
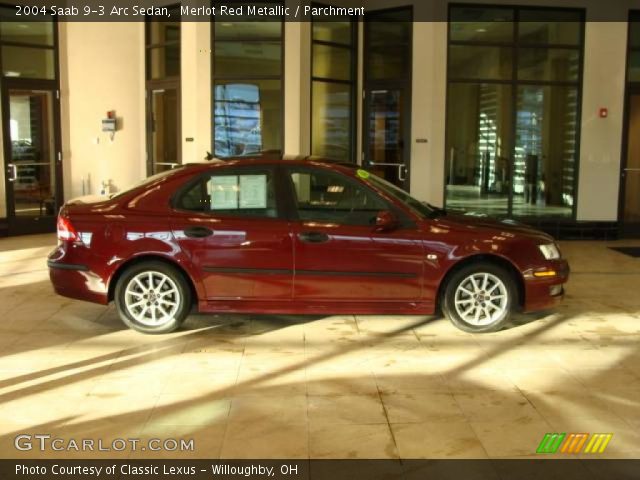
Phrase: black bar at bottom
pixel 543 469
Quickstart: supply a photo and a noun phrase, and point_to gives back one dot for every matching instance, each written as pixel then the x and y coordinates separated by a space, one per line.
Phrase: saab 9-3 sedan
pixel 296 237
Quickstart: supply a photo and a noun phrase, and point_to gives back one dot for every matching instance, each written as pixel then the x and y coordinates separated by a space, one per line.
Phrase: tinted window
pixel 328 197
pixel 250 194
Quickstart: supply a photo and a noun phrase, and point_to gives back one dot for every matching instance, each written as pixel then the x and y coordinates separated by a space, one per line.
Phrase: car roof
pixel 280 160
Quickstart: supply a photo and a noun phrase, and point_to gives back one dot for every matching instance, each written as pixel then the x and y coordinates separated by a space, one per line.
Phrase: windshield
pixel 421 208
pixel 147 181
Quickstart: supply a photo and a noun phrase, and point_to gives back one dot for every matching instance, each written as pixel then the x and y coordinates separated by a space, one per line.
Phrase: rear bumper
pixel 75 280
pixel 543 293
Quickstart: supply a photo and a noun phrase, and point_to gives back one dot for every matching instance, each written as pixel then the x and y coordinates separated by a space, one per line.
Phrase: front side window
pixel 250 194
pixel 323 196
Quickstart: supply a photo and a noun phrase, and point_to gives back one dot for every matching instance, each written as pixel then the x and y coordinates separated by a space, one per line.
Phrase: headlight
pixel 550 251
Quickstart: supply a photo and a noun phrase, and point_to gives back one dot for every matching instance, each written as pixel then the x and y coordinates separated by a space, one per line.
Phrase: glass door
pixel 385 146
pixel 163 128
pixel 388 38
pixel 32 159
pixel 630 197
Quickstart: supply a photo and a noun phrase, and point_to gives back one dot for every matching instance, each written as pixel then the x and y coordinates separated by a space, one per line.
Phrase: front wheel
pixel 153 297
pixel 479 298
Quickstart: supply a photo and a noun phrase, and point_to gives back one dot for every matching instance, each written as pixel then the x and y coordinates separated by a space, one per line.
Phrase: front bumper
pixel 543 290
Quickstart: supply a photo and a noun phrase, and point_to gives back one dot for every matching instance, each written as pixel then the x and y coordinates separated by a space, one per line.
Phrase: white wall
pixel 196 89
pixel 601 138
pixel 101 69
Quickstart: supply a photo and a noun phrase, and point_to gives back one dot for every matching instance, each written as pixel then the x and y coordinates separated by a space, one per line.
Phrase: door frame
pixel 404 84
pixel 17 225
pixel 624 230
pixel 164 84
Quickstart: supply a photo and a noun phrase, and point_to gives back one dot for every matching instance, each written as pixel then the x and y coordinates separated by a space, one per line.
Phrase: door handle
pixel 313 237
pixel 13 172
pixel 198 232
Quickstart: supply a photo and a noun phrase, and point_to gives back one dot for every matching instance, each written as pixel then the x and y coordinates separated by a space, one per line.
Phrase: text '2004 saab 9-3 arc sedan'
pixel 295 237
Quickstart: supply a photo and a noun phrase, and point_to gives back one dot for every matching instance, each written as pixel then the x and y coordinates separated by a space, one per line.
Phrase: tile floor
pixel 335 387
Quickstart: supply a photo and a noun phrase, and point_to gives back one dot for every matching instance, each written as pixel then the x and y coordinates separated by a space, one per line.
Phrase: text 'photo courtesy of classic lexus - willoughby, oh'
pixel 295 237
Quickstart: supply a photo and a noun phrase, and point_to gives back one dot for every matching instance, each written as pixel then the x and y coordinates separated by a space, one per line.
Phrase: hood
pixel 471 221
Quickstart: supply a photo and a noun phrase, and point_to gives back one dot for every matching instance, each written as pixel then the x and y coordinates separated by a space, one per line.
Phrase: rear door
pixel 230 223
pixel 338 255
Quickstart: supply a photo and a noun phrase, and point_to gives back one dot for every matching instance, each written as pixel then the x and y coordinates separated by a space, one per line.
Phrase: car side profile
pixel 295 237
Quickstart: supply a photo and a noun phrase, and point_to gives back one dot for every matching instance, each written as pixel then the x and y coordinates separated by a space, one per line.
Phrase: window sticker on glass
pixel 363 173
pixel 253 191
pixel 223 192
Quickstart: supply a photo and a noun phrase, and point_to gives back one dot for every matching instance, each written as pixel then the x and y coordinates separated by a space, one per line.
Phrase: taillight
pixel 66 230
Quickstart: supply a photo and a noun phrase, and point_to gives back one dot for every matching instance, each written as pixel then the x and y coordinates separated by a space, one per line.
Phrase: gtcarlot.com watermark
pixel 46 442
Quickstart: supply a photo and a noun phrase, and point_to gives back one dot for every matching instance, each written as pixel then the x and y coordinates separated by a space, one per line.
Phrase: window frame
pixel 54 47
pixel 235 170
pixel 217 76
pixel 514 82
pixel 352 83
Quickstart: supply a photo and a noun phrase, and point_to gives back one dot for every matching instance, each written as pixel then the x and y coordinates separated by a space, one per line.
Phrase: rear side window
pixel 324 196
pixel 250 194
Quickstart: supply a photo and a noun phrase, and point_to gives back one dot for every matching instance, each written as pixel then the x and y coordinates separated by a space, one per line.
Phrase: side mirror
pixel 386 221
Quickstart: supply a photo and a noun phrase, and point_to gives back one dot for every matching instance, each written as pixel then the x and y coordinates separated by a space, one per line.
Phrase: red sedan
pixel 295 237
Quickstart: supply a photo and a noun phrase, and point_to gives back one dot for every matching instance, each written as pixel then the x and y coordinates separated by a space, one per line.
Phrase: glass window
pixel 548 64
pixel 511 135
pixel 334 32
pixel 329 197
pixel 250 194
pixel 34 33
pixel 472 24
pixel 160 33
pixel 162 49
pixel 479 146
pixel 475 62
pixel 331 62
pixel 238 59
pixel 247 117
pixel 545 150
pixel 331 120
pixel 550 27
pixel 332 89
pixel 28 62
pixel 388 62
pixel 163 62
pixel 248 30
pixel 247 69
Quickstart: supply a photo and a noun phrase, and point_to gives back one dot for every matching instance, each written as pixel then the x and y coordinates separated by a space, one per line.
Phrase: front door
pixel 337 252
pixel 630 193
pixel 32 156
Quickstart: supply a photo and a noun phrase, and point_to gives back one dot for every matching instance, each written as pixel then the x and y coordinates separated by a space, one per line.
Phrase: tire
pixel 166 306
pixel 475 311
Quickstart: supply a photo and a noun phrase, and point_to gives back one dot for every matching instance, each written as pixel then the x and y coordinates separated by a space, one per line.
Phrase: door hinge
pixel 59 156
pixel 364 94
pixel 58 94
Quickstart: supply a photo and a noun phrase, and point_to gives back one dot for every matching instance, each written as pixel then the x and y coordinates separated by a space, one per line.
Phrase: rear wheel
pixel 153 297
pixel 480 297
